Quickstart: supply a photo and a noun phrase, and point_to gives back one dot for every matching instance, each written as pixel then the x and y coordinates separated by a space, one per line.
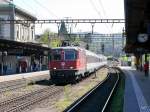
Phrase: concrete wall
pixel 5 28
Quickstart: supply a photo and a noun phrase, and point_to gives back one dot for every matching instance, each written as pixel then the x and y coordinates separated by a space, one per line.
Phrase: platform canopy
pixel 22 49
pixel 137 15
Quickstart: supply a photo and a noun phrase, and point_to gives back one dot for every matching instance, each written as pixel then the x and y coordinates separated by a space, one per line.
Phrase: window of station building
pixel 70 55
pixel 20 31
pixel 28 37
pixel 24 34
pixel 32 34
pixel 17 31
pixel 1 29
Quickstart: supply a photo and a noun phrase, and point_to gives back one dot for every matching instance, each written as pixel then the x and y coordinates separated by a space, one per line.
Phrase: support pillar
pixel 41 58
pixel 141 66
pixel 3 65
pixel 137 61
pixel 2 71
pixel 146 60
pixel 32 62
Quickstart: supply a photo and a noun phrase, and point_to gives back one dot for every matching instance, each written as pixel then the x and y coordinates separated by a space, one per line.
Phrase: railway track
pixel 12 85
pixel 21 102
pixel 16 84
pixel 96 100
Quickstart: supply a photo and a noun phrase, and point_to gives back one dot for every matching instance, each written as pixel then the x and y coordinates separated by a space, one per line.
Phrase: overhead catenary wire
pixel 29 6
pixel 46 9
pixel 105 14
pixel 103 9
pixel 95 8
pixel 99 13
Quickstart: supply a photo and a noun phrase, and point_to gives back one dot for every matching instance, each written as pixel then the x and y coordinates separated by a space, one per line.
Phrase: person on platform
pixel 23 66
pixel 146 68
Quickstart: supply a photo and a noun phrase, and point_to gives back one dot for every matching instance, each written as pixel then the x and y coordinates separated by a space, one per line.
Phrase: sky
pixel 76 9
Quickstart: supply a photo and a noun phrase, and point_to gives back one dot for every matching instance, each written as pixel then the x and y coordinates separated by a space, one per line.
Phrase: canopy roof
pixel 22 49
pixel 137 15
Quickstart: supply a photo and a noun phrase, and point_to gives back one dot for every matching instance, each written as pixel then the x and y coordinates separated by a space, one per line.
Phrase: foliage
pixel 75 40
pixel 49 38
pixel 55 42
pixel 44 39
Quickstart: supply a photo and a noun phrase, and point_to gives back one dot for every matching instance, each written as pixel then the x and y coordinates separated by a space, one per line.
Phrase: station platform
pixel 39 75
pixel 137 91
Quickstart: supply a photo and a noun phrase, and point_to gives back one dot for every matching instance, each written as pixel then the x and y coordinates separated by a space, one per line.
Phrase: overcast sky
pixel 59 9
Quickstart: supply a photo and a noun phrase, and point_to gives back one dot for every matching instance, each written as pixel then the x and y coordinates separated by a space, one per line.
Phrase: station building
pixel 17 42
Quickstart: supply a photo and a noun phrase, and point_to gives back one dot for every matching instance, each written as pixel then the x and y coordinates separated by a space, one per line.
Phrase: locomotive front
pixel 63 64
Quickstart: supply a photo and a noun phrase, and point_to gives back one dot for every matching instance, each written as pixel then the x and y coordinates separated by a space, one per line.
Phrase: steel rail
pixel 22 96
pixel 71 107
pixel 34 100
pixel 16 84
pixel 41 95
pixel 111 93
pixel 82 99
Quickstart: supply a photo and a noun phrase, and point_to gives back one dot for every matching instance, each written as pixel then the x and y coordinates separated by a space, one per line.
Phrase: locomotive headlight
pixel 71 67
pixel 54 68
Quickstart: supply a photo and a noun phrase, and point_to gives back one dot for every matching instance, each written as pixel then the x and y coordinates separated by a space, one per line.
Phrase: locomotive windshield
pixel 59 54
pixel 70 55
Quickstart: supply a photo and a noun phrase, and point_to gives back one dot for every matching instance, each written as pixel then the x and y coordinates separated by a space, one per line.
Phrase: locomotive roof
pixel 68 47
pixel 90 53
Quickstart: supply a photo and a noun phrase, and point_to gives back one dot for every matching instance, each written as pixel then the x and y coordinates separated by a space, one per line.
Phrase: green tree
pixel 48 39
pixel 44 39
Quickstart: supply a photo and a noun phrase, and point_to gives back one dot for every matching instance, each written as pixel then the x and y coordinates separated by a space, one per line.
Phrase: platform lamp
pixel 2 54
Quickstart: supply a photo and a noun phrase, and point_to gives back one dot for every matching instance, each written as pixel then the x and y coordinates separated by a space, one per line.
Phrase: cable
pixel 101 4
pixel 47 9
pixel 93 5
pixel 103 9
pixel 29 6
pixel 98 12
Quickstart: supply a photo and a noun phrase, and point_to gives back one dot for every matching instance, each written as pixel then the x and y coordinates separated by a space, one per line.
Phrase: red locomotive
pixel 68 64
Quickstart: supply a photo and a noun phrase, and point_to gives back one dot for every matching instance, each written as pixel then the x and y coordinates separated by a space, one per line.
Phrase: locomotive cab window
pixel 56 55
pixel 70 55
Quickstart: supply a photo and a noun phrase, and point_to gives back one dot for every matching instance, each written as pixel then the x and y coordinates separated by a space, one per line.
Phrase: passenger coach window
pixel 70 55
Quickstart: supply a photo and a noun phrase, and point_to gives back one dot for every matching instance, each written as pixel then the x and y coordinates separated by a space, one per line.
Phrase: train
pixel 70 64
